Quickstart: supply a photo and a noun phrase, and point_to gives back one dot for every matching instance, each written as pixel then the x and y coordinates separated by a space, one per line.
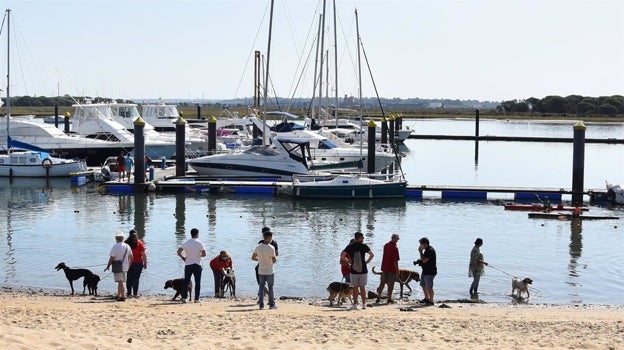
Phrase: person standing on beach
pixel 345 265
pixel 475 269
pixel 429 269
pixel 194 251
pixel 359 272
pixel 121 166
pixel 389 267
pixel 139 262
pixel 218 265
pixel 266 257
pixel 274 244
pixel 120 252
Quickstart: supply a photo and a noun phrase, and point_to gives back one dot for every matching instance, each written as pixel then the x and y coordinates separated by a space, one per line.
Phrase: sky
pixel 487 50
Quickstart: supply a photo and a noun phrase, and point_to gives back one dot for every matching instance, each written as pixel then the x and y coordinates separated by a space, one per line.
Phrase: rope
pixel 496 268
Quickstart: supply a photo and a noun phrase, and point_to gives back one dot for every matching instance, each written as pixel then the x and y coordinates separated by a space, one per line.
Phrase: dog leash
pixel 409 275
pixel 496 268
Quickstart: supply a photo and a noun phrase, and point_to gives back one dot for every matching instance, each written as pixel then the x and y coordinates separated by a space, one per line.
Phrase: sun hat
pixel 119 234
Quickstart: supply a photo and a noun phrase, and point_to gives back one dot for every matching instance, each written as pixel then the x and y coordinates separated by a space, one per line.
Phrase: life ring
pixel 46 163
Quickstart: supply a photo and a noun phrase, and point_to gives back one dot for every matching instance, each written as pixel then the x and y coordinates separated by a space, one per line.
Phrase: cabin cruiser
pixel 280 160
pixel 45 136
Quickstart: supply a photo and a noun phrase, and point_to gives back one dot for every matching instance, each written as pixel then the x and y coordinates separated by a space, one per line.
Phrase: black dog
pixel 73 274
pixel 91 283
pixel 177 284
pixel 229 283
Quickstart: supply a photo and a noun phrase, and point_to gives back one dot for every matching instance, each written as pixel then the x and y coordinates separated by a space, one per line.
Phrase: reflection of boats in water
pixel 24 192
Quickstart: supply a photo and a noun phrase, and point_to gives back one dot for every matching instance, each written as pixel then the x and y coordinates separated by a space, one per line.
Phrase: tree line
pixel 551 105
pixel 573 104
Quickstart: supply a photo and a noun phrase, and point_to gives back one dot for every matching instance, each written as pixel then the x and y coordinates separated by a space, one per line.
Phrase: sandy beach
pixel 36 319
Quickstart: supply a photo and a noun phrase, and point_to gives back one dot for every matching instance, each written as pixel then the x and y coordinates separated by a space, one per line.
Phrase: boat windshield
pixel 326 144
pixel 262 150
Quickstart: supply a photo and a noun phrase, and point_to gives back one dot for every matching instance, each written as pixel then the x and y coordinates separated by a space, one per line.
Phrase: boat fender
pixel 46 163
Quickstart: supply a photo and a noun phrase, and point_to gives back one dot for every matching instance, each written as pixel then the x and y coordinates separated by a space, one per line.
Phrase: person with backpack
pixel 359 272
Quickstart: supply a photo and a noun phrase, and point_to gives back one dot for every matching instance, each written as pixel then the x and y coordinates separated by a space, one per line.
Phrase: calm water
pixel 44 224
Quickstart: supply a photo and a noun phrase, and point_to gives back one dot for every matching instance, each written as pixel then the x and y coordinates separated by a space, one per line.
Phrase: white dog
pixel 521 286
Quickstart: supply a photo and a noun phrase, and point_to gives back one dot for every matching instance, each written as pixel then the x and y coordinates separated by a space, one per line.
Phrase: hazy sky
pixel 473 49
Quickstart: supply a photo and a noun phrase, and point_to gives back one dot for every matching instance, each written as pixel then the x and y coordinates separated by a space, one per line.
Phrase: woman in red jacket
pixel 218 265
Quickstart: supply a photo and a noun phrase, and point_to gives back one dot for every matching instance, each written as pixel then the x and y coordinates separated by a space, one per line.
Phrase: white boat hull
pixel 33 164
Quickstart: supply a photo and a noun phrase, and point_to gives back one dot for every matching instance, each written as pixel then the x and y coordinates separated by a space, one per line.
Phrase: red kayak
pixel 540 207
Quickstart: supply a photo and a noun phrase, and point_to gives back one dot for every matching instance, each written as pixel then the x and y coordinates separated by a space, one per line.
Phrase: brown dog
pixel 404 277
pixel 342 290
pixel 177 284
pixel 521 286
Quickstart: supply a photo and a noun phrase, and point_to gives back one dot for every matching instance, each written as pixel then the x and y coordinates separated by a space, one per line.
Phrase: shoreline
pixel 33 319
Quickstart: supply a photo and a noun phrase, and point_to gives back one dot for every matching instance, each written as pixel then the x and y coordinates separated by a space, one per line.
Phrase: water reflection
pixel 180 214
pixel 140 214
pixel 576 247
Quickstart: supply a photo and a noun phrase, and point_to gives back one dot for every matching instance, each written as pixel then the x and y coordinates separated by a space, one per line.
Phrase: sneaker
pixel 273 307
pixel 197 301
pixel 353 307
pixel 364 307
pixel 390 301
pixel 423 301
pixel 377 301
pixel 261 307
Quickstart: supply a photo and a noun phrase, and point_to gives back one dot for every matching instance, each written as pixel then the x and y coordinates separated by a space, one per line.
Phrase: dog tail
pixel 375 272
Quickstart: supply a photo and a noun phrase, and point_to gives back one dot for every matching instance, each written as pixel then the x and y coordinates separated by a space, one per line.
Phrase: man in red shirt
pixel 389 267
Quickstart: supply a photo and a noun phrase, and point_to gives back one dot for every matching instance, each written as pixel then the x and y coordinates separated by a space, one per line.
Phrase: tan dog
pixel 404 277
pixel 342 290
pixel 521 286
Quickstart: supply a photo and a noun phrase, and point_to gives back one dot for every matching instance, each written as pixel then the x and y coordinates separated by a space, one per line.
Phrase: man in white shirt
pixel 193 253
pixel 265 255
pixel 121 252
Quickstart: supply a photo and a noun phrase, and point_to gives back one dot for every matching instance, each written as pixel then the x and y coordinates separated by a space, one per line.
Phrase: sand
pixel 36 319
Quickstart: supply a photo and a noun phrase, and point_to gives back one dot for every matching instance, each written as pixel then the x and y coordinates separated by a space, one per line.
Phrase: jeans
pixel 476 275
pixel 132 281
pixel 196 271
pixel 268 279
pixel 218 282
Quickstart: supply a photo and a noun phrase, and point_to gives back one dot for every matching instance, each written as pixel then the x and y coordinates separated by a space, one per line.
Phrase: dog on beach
pixel 404 277
pixel 91 282
pixel 342 290
pixel 74 274
pixel 521 285
pixel 177 284
pixel 229 283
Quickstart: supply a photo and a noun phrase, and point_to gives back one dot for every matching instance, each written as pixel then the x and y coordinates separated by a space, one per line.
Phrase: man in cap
pixel 266 257
pixel 120 252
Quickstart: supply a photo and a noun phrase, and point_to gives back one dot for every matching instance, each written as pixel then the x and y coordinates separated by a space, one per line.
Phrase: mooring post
pixel 212 135
pixel 391 130
pixel 477 124
pixel 384 131
pixel 578 163
pixel 66 121
pixel 56 115
pixel 139 151
pixel 180 150
pixel 370 164
pixel 198 111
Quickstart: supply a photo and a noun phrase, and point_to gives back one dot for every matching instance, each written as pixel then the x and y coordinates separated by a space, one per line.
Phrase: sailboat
pixel 30 161
pixel 351 186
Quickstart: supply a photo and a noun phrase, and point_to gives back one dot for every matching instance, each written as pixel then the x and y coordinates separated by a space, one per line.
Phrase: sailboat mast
pixel 266 76
pixel 335 67
pixel 357 30
pixel 8 95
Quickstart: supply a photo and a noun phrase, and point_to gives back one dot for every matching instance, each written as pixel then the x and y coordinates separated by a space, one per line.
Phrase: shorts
pixel 120 277
pixel 427 281
pixel 388 277
pixel 359 279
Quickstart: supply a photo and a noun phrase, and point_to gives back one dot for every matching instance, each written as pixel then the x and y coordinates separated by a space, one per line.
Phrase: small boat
pixel 540 207
pixel 615 193
pixel 568 216
pixel 349 186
